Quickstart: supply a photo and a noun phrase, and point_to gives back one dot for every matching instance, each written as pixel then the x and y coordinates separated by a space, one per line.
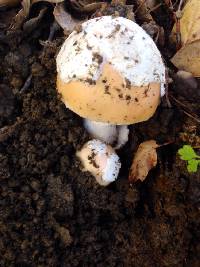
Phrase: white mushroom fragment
pixel 110 72
pixel 100 160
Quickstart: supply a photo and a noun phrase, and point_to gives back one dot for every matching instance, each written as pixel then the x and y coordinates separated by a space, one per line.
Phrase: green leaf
pixel 187 153
pixel 193 165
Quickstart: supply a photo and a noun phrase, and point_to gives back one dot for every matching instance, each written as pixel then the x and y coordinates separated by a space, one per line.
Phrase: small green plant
pixel 188 154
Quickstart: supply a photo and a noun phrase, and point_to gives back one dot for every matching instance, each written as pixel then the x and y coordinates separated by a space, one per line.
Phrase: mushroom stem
pixel 108 133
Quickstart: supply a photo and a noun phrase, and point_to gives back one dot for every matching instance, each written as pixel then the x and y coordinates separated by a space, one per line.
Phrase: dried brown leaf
pixel 190 22
pixel 21 15
pixel 64 19
pixel 85 7
pixel 24 12
pixel 144 160
pixel 143 10
pixel 156 32
pixel 188 57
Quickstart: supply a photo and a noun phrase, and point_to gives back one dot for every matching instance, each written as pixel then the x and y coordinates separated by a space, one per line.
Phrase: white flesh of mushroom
pixel 100 160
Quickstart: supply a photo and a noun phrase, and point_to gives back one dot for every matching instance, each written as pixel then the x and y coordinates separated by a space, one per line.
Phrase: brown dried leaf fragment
pixel 144 160
pixel 85 7
pixel 64 19
pixel 156 32
pixel 21 15
pixel 24 12
pixel 143 10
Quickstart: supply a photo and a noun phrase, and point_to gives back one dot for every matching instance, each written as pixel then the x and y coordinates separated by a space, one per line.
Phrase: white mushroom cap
pixel 100 160
pixel 111 71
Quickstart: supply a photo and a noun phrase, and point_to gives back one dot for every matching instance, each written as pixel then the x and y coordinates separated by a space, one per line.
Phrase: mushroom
pixel 100 160
pixel 111 73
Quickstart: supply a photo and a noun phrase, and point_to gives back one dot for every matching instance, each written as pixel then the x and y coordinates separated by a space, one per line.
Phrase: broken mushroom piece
pixel 110 72
pixel 100 160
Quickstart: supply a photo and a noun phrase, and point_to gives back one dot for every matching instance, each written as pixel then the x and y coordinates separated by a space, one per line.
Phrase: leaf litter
pixel 188 57
pixel 24 12
pixel 64 19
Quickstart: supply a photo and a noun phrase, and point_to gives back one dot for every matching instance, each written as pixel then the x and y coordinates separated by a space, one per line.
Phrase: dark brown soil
pixel 52 214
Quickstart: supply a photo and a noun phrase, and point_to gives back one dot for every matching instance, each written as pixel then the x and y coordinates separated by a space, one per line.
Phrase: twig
pixel 150 10
pixel 154 8
pixel 189 114
pixel 140 5
pixel 180 5
pixel 26 84
pixel 176 16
